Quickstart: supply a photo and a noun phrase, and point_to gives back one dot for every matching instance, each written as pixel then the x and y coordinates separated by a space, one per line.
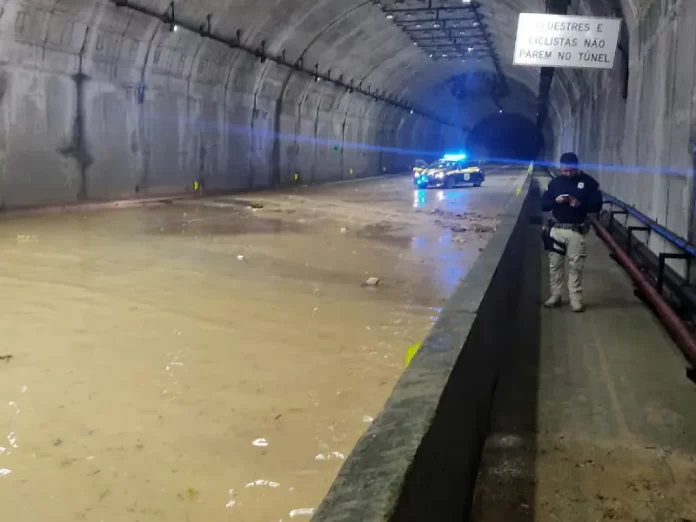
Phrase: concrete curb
pixel 419 459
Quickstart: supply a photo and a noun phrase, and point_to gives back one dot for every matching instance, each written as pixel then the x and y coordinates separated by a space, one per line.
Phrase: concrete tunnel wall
pixel 643 144
pixel 75 124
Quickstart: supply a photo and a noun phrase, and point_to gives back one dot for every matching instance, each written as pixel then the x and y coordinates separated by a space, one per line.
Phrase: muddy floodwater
pixel 215 359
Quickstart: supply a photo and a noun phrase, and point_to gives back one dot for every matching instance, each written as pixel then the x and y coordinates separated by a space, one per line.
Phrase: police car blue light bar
pixel 454 157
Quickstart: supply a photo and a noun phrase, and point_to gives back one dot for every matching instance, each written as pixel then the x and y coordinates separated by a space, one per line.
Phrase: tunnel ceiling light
pixel 431 55
pixel 476 24
pixel 470 49
pixel 390 16
pixel 501 111
pixel 436 26
pixel 411 111
pixel 418 26
pixel 415 43
pixel 173 28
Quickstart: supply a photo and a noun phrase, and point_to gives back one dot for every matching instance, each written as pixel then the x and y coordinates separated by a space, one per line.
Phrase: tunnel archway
pixel 506 137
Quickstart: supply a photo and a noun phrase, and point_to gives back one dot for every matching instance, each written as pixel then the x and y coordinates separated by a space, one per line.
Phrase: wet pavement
pixel 216 359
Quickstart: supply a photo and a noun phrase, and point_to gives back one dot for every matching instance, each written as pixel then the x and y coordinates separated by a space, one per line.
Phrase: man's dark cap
pixel 569 158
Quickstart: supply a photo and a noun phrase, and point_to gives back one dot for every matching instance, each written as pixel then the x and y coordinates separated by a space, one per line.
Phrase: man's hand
pixel 562 199
pixel 574 202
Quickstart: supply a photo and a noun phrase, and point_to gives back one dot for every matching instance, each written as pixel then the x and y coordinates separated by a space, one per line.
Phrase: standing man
pixel 569 197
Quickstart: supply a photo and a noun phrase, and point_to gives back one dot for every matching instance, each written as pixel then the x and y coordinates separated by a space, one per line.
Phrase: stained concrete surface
pixel 216 359
pixel 594 415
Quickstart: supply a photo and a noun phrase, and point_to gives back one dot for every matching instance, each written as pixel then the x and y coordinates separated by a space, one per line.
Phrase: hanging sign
pixel 584 42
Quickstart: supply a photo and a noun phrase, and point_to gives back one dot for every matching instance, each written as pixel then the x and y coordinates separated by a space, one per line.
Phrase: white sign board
pixel 546 40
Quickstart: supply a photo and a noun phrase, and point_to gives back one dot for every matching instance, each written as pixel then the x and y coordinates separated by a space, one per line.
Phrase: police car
pixel 450 171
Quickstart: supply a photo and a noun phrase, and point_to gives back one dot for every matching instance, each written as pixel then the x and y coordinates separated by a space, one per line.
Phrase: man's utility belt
pixel 550 244
pixel 581 228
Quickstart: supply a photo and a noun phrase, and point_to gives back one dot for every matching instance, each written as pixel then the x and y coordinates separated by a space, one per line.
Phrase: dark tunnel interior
pixel 506 136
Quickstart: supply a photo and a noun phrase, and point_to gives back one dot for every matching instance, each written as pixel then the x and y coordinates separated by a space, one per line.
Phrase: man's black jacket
pixel 582 187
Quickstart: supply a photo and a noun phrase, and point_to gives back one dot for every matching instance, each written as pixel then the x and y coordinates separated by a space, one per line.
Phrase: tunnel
pixel 228 296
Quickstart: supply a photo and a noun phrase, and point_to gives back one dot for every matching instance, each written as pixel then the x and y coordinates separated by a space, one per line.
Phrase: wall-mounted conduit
pixel 205 31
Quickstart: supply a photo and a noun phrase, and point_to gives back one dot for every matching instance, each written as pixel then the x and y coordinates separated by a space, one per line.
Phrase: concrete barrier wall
pixel 418 461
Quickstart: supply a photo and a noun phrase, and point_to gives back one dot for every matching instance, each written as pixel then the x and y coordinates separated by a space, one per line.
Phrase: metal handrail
pixel 677 241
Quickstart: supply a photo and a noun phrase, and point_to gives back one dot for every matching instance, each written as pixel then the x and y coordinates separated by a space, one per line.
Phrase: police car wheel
pixel 449 182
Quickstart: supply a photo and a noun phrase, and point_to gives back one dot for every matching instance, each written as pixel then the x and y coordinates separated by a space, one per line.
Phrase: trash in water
pixel 367 419
pixel 302 511
pixel 261 443
pixel 372 281
pixel 330 456
pixel 262 482
pixel 240 258
pixel 5 471
pixel 6 358
pixel 232 500
pixel 344 230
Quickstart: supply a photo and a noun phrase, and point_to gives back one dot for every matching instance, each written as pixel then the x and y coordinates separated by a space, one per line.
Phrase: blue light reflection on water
pixel 452 266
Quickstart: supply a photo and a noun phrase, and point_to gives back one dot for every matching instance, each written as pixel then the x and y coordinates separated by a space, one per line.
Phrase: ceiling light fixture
pixel 390 16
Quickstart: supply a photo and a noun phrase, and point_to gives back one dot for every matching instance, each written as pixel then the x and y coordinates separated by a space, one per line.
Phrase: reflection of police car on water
pixel 449 172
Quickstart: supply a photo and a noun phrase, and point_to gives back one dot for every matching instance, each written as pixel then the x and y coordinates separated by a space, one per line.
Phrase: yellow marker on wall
pixel 196 185
pixel 297 176
pixel 351 172
pixel 411 352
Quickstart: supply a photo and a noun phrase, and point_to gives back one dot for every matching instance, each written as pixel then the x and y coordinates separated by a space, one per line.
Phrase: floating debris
pixel 262 482
pixel 302 511
pixel 372 281
pixel 331 456
pixel 6 358
pixel 368 419
pixel 261 443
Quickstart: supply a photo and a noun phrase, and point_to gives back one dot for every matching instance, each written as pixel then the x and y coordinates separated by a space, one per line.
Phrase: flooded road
pixel 214 360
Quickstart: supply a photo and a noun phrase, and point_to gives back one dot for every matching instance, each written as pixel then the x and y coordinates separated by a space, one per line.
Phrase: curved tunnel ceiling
pixel 352 39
